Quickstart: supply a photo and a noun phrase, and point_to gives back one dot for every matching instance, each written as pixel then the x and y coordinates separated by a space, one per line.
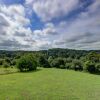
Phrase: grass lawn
pixel 50 84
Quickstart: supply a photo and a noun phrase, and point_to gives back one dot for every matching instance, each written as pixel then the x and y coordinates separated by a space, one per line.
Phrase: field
pixel 49 84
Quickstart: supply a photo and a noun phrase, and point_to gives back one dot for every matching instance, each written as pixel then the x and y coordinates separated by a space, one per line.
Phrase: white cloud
pixel 13 10
pixel 49 29
pixel 48 9
pixel 83 32
pixel 12 25
pixel 15 13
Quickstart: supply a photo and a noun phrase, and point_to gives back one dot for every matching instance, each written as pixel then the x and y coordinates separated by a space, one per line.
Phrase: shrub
pixel 27 63
pixel 1 61
pixel 6 65
pixel 90 67
pixel 98 68
pixel 62 67
pixel 43 62
pixel 13 62
pixel 68 65
pixel 50 59
pixel 57 62
pixel 54 63
pixel 68 60
pixel 7 60
pixel 77 65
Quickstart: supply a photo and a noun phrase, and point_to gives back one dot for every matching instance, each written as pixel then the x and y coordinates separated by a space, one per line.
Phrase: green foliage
pixel 1 61
pixel 13 62
pixel 57 62
pixel 69 60
pixel 6 65
pixel 62 66
pixel 7 60
pixel 90 67
pixel 57 57
pixel 93 57
pixel 68 65
pixel 77 65
pixel 43 62
pixel 98 67
pixel 27 63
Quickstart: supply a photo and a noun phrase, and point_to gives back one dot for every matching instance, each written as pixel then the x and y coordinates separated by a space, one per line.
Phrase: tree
pixel 50 59
pixel 13 62
pixel 57 62
pixel 43 62
pixel 90 67
pixel 93 57
pixel 6 65
pixel 98 68
pixel 1 61
pixel 27 63
pixel 7 60
pixel 77 65
pixel 69 60
pixel 68 65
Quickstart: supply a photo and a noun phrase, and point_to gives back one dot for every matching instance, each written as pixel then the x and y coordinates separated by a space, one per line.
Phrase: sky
pixel 44 24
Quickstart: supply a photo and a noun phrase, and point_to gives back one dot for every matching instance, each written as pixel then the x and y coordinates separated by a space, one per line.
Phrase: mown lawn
pixel 50 84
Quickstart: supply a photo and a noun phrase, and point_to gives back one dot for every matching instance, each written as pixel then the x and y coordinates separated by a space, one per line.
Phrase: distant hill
pixel 55 52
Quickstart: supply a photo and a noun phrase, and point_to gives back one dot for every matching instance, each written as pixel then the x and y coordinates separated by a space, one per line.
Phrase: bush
pixel 6 65
pixel 50 59
pixel 13 62
pixel 98 68
pixel 77 65
pixel 27 63
pixel 90 67
pixel 44 62
pixel 62 67
pixel 57 62
pixel 68 60
pixel 68 65
pixel 1 61
pixel 7 60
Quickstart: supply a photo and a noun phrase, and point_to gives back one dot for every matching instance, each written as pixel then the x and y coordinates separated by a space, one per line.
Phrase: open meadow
pixel 49 84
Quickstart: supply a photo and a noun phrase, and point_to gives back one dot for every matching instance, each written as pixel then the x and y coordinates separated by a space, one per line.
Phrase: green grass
pixel 10 70
pixel 50 84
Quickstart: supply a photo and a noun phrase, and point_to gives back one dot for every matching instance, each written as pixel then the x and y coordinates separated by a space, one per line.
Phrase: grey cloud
pixel 83 41
pixel 3 21
pixel 74 38
pixel 19 34
pixel 79 37
pixel 12 44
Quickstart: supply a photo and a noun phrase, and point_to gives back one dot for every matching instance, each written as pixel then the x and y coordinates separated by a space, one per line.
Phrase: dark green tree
pixel 27 63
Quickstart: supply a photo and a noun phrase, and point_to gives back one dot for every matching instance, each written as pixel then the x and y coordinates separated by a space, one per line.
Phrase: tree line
pixel 78 60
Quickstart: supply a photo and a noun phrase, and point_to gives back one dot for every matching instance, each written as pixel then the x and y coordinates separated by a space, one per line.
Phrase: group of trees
pixel 84 61
pixel 7 62
pixel 78 60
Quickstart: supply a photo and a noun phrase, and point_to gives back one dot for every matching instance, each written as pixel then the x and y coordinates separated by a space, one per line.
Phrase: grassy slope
pixel 50 84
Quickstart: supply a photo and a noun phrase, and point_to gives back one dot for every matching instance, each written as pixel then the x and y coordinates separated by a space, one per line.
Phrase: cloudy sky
pixel 44 24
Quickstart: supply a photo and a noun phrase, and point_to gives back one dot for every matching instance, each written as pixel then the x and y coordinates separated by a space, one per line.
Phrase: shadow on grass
pixel 6 72
pixel 95 73
pixel 31 71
